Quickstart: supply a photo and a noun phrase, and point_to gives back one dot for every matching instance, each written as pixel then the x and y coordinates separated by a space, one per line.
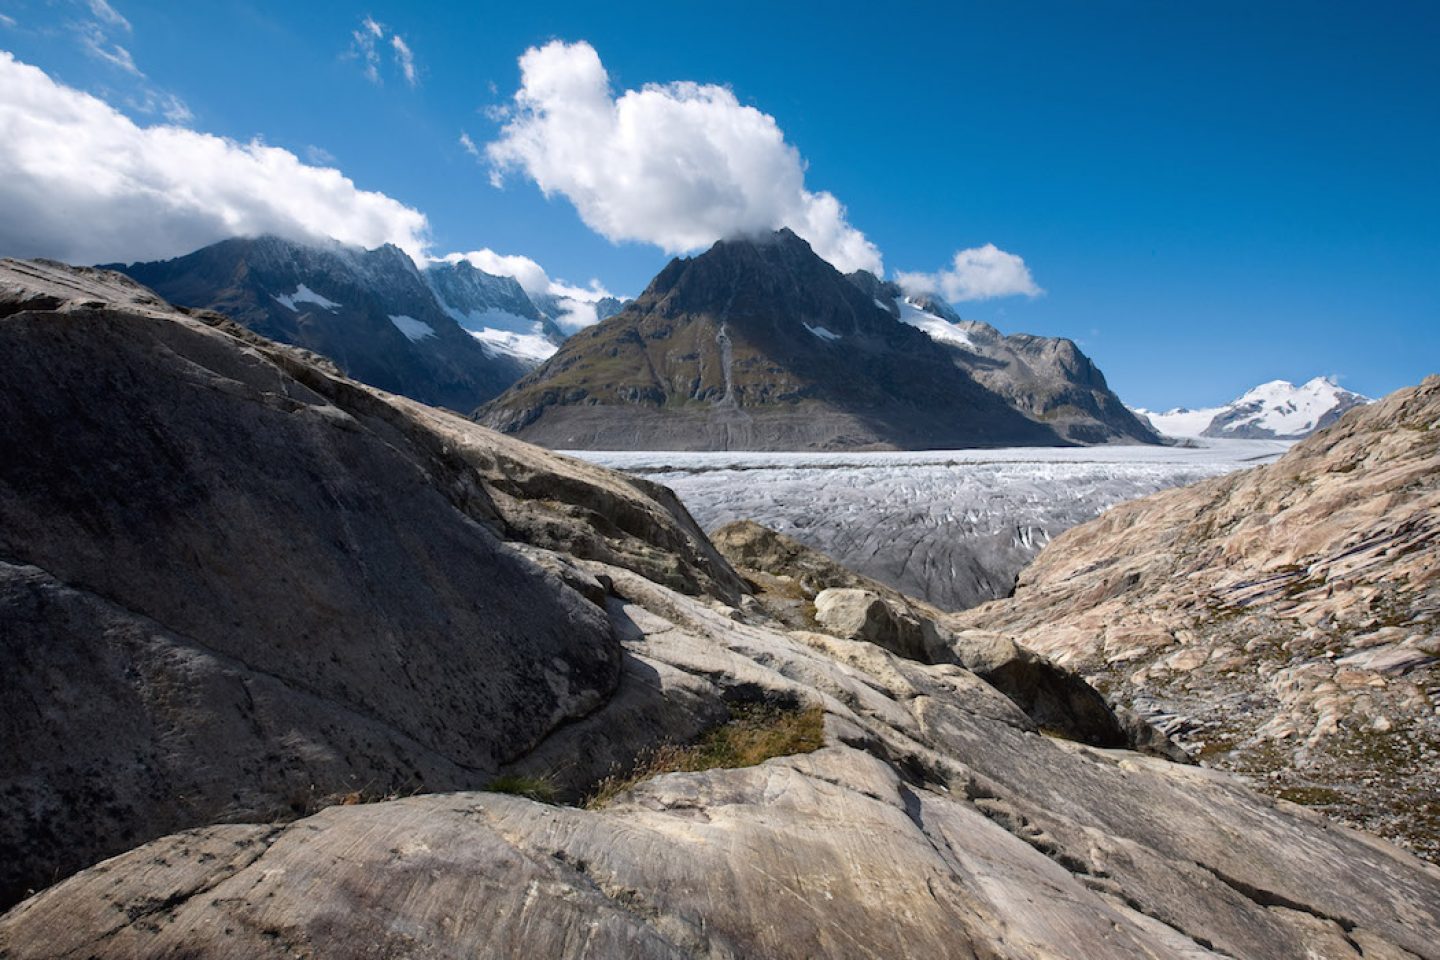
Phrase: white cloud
pixel 364 46
pixel 80 181
pixel 979 273
pixel 167 105
pixel 104 12
pixel 404 58
pixel 573 306
pixel 96 43
pixel 7 21
pixel 365 43
pixel 678 165
pixel 469 145
pixel 319 157
pixel 529 274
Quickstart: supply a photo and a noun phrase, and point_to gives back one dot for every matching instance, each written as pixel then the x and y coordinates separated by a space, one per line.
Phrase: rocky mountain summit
pixel 372 312
pixel 495 310
pixel 759 344
pixel 1274 410
pixel 1046 378
pixel 242 596
pixel 1285 620
pixel 381 318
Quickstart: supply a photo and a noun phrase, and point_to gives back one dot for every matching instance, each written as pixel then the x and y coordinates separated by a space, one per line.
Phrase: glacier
pixel 952 527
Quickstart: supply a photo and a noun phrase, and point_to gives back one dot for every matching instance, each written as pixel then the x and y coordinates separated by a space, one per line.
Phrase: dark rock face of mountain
pixel 370 311
pixel 476 299
pixel 229 576
pixel 607 307
pixel 757 344
pixel 233 584
pixel 1048 379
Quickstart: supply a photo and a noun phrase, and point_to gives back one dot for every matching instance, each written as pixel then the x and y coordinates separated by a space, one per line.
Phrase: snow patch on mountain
pixel 303 294
pixel 823 333
pixel 414 330
pixel 530 348
pixel 936 326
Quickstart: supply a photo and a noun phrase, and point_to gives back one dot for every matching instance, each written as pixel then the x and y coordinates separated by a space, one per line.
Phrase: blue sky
pixel 1209 195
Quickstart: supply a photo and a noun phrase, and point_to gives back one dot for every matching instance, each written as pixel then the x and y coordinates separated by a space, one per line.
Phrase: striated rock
pixel 1282 621
pixel 935 820
pixel 233 583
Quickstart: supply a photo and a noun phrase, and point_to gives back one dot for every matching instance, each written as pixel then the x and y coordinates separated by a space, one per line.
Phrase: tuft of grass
pixel 754 733
pixel 539 789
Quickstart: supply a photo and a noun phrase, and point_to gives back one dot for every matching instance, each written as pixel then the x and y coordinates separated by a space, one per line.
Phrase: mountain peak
pixel 1274 410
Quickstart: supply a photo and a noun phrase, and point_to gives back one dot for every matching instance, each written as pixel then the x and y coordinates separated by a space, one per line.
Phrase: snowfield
pixel 953 527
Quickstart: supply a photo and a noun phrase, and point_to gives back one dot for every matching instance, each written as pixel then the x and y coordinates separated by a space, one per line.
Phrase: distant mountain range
pixel 448 334
pixel 757 344
pixel 1277 410
pixel 760 344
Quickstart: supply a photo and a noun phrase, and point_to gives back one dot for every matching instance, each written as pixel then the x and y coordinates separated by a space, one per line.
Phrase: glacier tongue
pixel 951 527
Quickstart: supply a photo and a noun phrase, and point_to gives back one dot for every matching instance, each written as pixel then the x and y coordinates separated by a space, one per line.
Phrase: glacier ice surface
pixel 953 527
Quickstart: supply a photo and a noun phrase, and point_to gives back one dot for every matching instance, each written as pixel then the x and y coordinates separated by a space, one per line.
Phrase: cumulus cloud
pixel 979 273
pixel 679 165
pixel 571 306
pixel 80 181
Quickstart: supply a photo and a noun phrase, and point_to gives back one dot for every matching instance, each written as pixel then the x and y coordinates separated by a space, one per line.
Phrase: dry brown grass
pixel 753 734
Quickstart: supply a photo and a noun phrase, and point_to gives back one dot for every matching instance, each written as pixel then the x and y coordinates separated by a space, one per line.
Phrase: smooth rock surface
pixel 234 584
pixel 936 821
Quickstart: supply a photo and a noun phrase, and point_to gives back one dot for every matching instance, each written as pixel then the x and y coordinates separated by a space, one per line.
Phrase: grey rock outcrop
pixel 1282 621
pixel 863 615
pixel 788 575
pixel 233 583
pixel 936 820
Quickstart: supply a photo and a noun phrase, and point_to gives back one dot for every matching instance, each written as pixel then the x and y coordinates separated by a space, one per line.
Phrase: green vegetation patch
pixel 532 788
pixel 755 732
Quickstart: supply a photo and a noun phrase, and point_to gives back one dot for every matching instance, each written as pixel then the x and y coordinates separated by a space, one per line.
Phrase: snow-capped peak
pixel 1277 409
